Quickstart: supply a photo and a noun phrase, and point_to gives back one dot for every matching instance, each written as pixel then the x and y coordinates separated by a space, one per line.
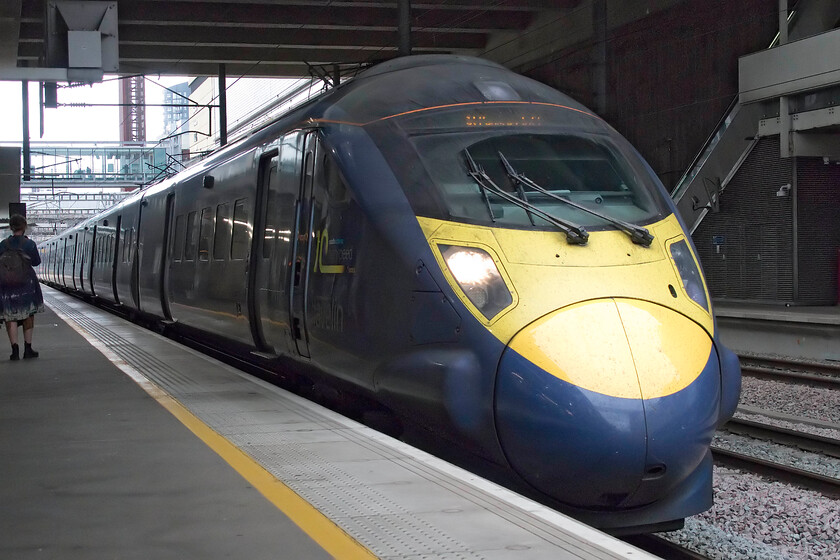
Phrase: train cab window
pixel 241 229
pixel 178 239
pixel 221 241
pixel 205 230
pixel 191 240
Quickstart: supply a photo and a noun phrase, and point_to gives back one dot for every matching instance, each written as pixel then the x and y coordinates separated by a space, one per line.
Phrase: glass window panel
pixel 190 244
pixel 241 229
pixel 221 241
pixel 204 233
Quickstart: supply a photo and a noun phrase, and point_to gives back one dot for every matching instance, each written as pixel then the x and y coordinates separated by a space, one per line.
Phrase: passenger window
pixel 204 232
pixel 221 241
pixel 178 239
pixel 241 229
pixel 335 187
pixel 190 246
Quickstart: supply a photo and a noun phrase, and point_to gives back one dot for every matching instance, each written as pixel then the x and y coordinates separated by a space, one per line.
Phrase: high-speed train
pixel 463 246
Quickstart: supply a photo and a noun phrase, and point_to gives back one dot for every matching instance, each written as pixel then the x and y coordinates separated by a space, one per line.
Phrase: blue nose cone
pixel 608 403
pixel 578 446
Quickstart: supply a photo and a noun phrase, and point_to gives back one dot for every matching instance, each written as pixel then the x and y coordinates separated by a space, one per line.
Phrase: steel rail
pixel 662 547
pixel 784 436
pixel 827 486
pixel 812 373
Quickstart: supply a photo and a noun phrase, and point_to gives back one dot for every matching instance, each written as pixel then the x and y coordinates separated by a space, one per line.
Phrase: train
pixel 464 247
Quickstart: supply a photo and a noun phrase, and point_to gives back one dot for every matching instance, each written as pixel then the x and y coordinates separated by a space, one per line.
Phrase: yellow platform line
pixel 319 527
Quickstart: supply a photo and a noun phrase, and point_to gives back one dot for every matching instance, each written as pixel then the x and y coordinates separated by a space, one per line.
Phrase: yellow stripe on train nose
pixel 617 347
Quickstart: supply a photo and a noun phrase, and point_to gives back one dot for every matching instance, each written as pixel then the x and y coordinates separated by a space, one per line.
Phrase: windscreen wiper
pixel 575 235
pixel 638 234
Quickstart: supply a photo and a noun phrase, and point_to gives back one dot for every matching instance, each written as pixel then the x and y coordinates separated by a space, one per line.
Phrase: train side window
pixel 241 229
pixel 335 187
pixel 190 245
pixel 178 238
pixel 221 241
pixel 205 230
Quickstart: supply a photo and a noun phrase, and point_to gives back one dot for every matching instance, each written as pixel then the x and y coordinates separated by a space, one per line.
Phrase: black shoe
pixel 28 352
pixel 15 353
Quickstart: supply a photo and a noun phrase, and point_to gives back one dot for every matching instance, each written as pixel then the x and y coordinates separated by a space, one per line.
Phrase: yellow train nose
pixel 618 347
pixel 600 403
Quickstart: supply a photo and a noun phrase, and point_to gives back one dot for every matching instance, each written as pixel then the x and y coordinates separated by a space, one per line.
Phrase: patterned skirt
pixel 19 303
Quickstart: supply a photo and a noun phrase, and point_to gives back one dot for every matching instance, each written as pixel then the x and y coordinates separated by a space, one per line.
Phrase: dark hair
pixel 17 223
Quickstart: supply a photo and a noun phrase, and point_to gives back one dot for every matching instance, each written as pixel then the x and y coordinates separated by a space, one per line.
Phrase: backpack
pixel 14 269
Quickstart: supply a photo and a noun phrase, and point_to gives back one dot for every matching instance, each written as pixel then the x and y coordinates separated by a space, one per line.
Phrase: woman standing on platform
pixel 20 292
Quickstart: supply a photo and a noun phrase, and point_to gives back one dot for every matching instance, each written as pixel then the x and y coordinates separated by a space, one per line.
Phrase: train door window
pixel 178 239
pixel 190 243
pixel 204 232
pixel 241 229
pixel 221 241
pixel 131 245
pixel 271 224
pixel 127 245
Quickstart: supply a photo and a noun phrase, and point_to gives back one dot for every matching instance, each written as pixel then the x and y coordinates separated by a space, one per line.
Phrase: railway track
pixel 784 436
pixel 820 374
pixel 663 548
pixel 828 486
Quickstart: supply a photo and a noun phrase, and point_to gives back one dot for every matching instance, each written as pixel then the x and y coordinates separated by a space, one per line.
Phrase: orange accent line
pixel 330 121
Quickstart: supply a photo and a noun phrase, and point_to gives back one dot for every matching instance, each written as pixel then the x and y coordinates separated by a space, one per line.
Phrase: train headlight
pixel 478 277
pixel 689 273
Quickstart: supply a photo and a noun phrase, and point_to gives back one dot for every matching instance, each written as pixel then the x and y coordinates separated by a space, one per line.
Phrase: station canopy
pixel 72 40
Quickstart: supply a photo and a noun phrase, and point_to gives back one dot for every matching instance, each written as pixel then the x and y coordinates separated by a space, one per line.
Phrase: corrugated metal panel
pixel 818 187
pixel 747 248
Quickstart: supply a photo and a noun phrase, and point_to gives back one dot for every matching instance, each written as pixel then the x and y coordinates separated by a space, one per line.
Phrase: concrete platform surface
pixel 118 443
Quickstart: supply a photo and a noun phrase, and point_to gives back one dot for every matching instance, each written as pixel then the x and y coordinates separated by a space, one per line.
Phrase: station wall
pixel 749 249
pixel 670 75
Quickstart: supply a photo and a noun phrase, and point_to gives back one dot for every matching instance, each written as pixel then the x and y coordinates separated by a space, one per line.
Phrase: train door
pixel 302 248
pixel 167 245
pixel 280 181
pixel 74 266
pixel 115 259
pixel 134 256
pixel 82 257
pixel 92 261
pixel 263 290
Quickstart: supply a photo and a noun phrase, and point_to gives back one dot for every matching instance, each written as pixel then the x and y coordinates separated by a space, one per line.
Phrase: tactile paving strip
pixel 380 524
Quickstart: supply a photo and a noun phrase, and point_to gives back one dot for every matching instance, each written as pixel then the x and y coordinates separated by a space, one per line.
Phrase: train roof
pixel 420 82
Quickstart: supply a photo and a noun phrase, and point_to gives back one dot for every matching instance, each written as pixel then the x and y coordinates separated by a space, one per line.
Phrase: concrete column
pixel 404 27
pixel 27 156
pixel 222 106
pixel 784 110
pixel 599 55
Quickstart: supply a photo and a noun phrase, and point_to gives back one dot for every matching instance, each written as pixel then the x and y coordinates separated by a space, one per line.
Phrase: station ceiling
pixel 283 38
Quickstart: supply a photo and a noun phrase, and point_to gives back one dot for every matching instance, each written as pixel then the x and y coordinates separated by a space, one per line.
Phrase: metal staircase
pixel 698 191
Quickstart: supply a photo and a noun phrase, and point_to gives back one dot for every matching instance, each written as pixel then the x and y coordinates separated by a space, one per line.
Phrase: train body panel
pixel 483 257
pixel 208 275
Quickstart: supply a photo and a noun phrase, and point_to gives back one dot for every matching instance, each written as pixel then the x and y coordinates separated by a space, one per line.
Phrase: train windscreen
pixel 595 170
